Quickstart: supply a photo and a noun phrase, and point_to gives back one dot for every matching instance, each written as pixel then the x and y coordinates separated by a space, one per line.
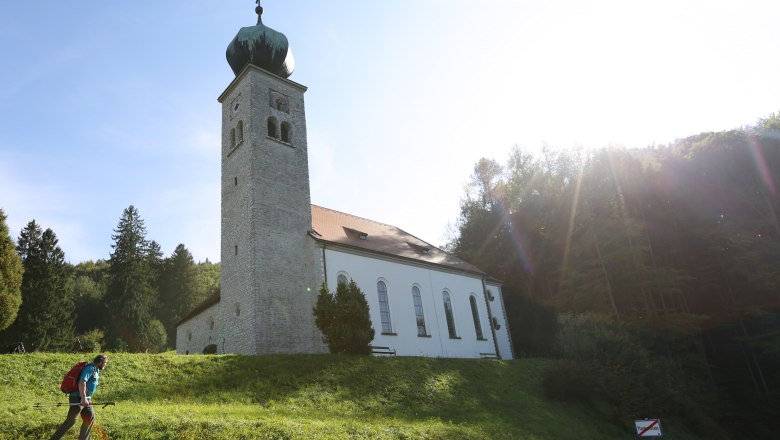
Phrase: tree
pixel 11 271
pixel 344 320
pixel 131 294
pixel 88 283
pixel 46 317
pixel 178 289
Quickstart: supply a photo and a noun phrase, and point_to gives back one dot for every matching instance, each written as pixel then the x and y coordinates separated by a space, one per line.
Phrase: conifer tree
pixel 46 317
pixel 10 277
pixel 344 319
pixel 131 294
pixel 179 290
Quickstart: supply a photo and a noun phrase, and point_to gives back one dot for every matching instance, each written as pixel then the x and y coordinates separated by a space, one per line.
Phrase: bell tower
pixel 268 281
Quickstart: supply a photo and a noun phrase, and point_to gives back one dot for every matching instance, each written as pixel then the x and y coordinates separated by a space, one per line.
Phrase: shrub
pixel 154 336
pixel 566 380
pixel 343 319
pixel 92 341
pixel 604 358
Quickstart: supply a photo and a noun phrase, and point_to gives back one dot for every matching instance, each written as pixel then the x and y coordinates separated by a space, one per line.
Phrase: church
pixel 277 248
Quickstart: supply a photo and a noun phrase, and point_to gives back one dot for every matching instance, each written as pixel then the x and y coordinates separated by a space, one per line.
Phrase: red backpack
pixel 70 383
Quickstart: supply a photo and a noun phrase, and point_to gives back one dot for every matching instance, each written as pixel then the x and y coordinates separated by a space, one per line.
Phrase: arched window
pixel 475 315
pixel 384 307
pixel 286 132
pixel 232 137
pixel 448 313
pixel 272 131
pixel 342 279
pixel 240 132
pixel 418 311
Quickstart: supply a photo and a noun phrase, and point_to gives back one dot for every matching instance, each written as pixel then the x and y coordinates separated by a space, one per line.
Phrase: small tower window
pixel 272 128
pixel 232 137
pixel 286 132
pixel 240 132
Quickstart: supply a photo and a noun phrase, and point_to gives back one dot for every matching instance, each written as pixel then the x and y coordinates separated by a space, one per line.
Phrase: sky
pixel 104 105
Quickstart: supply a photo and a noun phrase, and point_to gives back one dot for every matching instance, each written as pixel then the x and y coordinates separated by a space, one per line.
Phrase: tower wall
pixel 268 281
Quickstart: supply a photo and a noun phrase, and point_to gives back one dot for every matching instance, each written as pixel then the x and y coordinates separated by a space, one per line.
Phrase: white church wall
pixel 193 335
pixel 366 270
pixel 503 339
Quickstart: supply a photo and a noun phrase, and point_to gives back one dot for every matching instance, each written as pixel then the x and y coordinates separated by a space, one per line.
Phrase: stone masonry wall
pixel 269 276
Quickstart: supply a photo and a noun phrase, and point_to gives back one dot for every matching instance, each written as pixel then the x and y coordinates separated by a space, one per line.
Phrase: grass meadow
pixel 165 396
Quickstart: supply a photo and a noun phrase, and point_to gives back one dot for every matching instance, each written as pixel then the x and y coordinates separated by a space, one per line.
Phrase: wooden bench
pixel 382 351
pixel 488 356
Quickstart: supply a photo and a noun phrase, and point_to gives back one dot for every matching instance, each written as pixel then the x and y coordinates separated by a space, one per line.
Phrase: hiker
pixel 88 382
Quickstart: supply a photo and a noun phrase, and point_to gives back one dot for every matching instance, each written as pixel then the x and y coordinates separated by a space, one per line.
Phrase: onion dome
pixel 261 46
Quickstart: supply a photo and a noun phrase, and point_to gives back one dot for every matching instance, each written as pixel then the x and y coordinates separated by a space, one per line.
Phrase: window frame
pixel 384 308
pixel 272 127
pixel 475 316
pixel 419 312
pixel 449 314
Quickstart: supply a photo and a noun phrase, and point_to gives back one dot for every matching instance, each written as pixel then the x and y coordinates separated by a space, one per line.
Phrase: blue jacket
pixel 91 376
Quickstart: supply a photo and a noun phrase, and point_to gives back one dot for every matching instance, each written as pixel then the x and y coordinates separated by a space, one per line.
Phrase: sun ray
pixel 761 165
pixel 572 216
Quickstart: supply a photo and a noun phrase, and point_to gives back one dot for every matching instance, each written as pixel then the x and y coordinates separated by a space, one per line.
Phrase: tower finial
pixel 259 8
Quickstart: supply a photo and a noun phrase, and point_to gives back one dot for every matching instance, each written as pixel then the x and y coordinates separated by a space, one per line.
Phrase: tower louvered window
pixel 286 132
pixel 272 128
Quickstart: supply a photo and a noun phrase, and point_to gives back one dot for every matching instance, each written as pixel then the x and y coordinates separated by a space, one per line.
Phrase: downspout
pixel 490 318
pixel 324 265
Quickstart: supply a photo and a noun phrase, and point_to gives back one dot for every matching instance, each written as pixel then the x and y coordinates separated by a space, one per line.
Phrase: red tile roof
pixel 348 230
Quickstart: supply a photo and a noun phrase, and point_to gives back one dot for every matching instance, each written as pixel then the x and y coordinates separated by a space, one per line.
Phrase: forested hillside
pixel 129 303
pixel 672 250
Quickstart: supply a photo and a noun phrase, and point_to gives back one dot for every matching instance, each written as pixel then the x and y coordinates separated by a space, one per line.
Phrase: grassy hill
pixel 304 396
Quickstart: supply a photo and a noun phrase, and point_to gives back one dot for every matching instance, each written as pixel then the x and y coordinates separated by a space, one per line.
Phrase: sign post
pixel 648 428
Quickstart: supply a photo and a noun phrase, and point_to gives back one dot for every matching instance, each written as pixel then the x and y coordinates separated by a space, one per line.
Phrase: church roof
pixel 336 227
pixel 208 302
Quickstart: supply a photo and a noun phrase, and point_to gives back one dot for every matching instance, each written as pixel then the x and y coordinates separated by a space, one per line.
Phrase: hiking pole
pixel 103 404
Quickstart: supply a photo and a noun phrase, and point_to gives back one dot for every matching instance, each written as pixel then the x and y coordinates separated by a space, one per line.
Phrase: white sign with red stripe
pixel 648 428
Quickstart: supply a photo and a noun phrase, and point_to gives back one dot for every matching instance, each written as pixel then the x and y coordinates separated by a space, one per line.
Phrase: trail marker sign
pixel 648 428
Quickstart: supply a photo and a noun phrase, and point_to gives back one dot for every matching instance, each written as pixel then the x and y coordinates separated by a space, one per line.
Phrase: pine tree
pixel 46 318
pixel 131 294
pixel 344 319
pixel 11 271
pixel 179 290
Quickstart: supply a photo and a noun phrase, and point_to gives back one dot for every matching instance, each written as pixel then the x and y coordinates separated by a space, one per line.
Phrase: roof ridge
pixel 390 226
pixel 362 218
